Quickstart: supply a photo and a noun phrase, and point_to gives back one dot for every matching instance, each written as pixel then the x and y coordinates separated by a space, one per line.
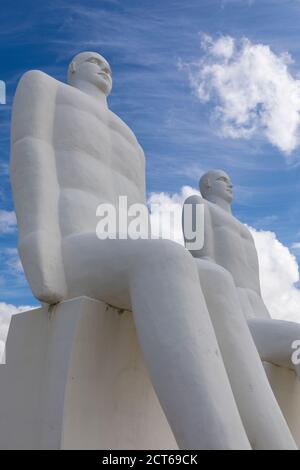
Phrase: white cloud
pixel 295 246
pixel 278 266
pixel 6 312
pixel 162 206
pixel 8 222
pixel 279 273
pixel 224 48
pixel 13 260
pixel 252 90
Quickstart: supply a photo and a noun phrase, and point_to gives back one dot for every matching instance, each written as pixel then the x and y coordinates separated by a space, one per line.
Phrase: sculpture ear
pixel 208 184
pixel 73 67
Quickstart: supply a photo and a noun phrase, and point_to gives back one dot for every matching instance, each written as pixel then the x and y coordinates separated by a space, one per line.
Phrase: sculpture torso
pixel 233 247
pixel 230 244
pixel 97 159
pixel 69 154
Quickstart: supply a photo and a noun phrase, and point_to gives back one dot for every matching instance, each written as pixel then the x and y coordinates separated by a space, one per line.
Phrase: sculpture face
pixel 216 184
pixel 221 186
pixel 92 68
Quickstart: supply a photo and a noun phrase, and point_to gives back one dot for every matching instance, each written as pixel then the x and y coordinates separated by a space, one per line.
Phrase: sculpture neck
pixel 92 91
pixel 226 206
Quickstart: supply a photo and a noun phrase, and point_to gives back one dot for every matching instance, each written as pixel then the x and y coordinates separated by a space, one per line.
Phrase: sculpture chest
pixel 97 160
pixel 233 247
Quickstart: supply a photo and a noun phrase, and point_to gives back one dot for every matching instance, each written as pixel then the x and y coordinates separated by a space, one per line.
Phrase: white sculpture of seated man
pixel 229 276
pixel 69 154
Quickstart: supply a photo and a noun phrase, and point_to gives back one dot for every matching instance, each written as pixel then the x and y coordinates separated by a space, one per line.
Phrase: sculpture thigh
pixel 158 279
pixel 274 340
pixel 264 423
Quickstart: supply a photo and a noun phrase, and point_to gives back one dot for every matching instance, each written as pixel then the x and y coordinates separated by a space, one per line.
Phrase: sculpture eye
pixel 93 60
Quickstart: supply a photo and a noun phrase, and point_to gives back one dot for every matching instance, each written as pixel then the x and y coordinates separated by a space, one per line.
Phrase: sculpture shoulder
pixel 198 199
pixel 37 89
pixel 194 199
pixel 33 106
pixel 35 80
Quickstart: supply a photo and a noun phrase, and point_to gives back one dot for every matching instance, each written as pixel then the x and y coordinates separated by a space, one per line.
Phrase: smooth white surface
pixel 286 388
pixel 274 339
pixel 75 379
pixel 229 276
pixel 69 154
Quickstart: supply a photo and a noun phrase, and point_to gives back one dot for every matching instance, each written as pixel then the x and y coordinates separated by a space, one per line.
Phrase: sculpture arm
pixel 35 186
pixel 252 259
pixel 274 340
pixel 200 223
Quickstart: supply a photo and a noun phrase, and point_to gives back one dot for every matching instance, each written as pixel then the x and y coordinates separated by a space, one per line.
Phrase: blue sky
pixel 145 41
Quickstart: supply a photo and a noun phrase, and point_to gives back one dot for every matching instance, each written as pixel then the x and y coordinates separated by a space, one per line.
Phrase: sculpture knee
pixel 223 279
pixel 215 278
pixel 166 256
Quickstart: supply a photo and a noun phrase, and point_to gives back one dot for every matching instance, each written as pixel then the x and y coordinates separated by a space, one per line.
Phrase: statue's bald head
pixel 91 67
pixel 216 183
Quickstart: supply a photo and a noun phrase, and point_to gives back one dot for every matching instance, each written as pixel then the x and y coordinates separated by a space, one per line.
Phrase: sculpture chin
pixel 103 83
pixel 228 196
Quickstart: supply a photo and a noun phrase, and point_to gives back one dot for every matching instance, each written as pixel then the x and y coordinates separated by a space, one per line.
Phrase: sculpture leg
pixel 274 340
pixel 175 334
pixel 181 350
pixel 260 413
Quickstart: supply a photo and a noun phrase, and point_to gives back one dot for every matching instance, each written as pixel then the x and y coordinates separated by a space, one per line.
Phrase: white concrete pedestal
pixel 286 388
pixel 75 379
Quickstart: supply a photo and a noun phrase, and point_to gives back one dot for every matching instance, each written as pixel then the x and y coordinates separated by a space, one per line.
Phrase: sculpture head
pixel 92 69
pixel 216 184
